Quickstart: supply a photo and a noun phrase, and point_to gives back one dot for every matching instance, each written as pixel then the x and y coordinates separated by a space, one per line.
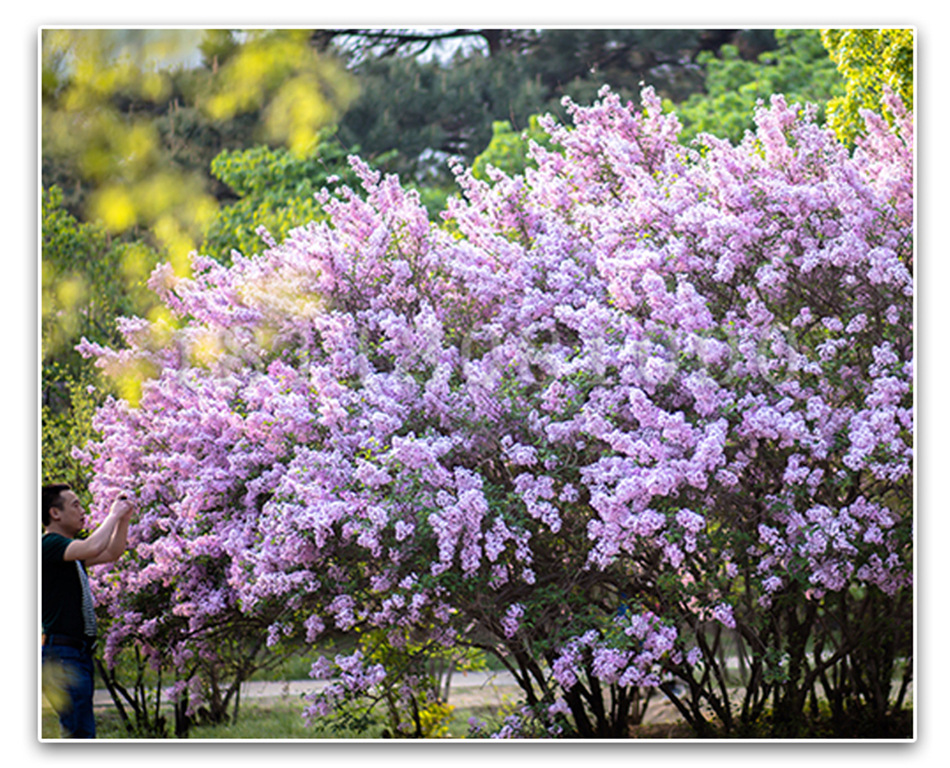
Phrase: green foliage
pixel 508 149
pixel 799 68
pixel 67 426
pixel 88 280
pixel 869 60
pixel 275 190
pixel 732 85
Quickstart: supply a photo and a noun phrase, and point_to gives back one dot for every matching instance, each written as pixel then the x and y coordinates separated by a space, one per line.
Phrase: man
pixel 69 621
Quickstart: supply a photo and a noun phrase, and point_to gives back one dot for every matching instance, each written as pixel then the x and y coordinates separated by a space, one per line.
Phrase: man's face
pixel 70 515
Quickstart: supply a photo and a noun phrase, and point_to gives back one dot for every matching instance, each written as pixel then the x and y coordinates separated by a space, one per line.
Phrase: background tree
pixel 443 106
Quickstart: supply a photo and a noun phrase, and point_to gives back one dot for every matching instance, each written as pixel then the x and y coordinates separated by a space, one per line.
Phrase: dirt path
pixel 467 689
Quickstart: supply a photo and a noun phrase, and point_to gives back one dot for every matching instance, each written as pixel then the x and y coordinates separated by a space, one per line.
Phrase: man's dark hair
pixel 51 497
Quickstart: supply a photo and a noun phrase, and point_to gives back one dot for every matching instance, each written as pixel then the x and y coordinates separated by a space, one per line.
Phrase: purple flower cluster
pixel 637 662
pixel 351 676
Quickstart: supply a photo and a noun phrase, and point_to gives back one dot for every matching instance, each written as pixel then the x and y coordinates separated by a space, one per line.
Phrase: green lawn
pixel 281 719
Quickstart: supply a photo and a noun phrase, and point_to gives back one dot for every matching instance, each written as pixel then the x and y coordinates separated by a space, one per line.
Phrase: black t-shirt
pixel 61 589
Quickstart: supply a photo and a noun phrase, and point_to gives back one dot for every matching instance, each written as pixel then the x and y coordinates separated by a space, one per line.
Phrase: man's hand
pixel 110 538
pixel 122 507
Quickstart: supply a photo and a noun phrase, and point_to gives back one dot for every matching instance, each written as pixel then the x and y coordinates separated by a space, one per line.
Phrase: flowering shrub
pixel 610 413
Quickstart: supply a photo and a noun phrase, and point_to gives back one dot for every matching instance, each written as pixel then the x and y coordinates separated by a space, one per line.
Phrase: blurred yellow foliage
pixel 295 112
pixel 278 72
pixel 70 292
pixel 163 325
pixel 130 380
pixel 87 73
pixel 115 207
pixel 206 349
pixel 135 264
pixel 55 680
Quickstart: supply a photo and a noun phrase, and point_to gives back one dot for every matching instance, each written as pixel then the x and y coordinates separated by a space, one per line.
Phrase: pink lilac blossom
pixel 511 620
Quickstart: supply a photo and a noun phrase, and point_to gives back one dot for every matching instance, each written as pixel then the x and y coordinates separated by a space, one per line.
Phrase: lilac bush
pixel 603 417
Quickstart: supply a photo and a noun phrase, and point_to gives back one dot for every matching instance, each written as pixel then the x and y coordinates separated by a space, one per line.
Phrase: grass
pixel 281 719
pixel 276 719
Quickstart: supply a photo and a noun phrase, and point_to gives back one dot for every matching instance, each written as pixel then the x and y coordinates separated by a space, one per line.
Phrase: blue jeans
pixel 71 670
